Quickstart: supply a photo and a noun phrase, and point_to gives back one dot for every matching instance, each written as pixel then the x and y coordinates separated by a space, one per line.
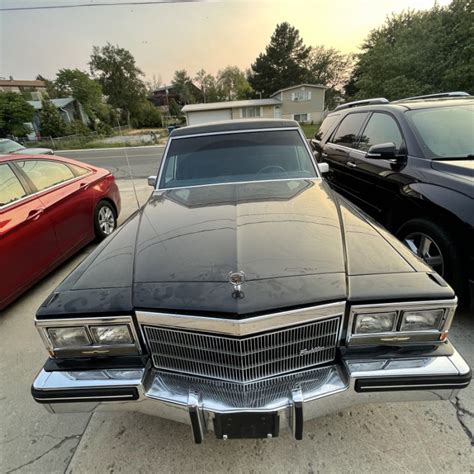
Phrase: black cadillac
pixel 245 297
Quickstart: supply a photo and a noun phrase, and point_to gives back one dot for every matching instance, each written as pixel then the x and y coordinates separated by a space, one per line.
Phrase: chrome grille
pixel 244 359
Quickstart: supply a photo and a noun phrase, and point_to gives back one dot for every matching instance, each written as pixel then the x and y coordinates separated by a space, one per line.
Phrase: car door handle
pixel 84 185
pixel 34 214
pixel 351 164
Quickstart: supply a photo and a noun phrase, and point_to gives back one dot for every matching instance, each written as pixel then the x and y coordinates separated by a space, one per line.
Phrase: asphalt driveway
pixel 415 437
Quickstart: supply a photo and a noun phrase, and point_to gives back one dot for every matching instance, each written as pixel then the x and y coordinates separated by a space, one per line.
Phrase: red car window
pixel 78 170
pixel 10 188
pixel 45 173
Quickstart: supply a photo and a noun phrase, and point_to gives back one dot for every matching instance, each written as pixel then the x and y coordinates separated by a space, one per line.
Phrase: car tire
pixel 442 254
pixel 105 220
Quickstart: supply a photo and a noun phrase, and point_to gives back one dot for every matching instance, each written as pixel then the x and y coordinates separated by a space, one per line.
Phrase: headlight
pixel 69 337
pixel 421 320
pixel 400 323
pixel 89 337
pixel 371 323
pixel 111 334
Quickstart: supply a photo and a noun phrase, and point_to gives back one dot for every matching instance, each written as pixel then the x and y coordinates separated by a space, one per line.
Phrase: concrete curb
pixel 111 148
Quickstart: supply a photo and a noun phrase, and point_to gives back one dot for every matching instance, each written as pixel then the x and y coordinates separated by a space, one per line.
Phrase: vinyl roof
pixel 232 126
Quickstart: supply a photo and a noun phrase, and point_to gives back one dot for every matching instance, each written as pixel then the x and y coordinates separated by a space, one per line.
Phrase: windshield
pixel 233 157
pixel 9 146
pixel 446 132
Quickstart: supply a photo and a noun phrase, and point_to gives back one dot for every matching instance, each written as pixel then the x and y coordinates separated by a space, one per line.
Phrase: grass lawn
pixel 310 129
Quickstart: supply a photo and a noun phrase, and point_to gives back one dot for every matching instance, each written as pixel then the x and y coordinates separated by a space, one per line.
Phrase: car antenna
pixel 128 164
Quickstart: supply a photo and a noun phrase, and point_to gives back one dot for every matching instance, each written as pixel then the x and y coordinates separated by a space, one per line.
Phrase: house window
pixel 251 112
pixel 300 96
pixel 301 117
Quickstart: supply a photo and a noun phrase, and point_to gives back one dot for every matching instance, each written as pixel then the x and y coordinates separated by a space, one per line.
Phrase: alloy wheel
pixel 106 220
pixel 426 248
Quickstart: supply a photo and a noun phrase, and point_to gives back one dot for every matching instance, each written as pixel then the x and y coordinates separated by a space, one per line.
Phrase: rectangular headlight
pixel 422 320
pixel 370 323
pixel 69 337
pixel 117 334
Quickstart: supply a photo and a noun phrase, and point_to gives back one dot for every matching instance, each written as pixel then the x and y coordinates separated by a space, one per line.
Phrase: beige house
pixel 36 88
pixel 303 103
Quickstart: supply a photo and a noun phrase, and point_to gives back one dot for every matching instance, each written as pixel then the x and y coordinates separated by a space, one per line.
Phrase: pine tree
pixel 283 64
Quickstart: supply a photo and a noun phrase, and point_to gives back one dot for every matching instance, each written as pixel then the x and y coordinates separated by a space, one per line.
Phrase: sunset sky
pixel 169 36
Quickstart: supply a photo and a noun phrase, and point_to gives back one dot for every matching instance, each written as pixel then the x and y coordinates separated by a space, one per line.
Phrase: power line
pixel 102 4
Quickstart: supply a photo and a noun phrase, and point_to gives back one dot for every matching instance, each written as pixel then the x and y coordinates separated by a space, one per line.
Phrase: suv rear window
pixel 349 129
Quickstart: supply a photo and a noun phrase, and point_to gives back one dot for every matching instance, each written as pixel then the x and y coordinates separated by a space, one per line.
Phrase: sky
pixel 168 36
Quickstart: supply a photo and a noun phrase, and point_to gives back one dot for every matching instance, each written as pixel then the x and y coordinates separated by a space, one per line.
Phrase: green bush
pixel 146 116
pixel 76 127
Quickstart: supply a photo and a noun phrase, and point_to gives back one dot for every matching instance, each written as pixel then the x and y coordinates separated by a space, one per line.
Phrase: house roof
pixel 232 126
pixel 231 104
pixel 15 83
pixel 58 103
pixel 317 86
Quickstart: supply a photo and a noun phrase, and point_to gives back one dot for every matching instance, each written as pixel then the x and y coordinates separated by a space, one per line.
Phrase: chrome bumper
pixel 292 398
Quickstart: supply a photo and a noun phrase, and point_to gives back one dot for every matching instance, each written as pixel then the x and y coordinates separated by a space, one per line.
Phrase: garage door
pixel 205 116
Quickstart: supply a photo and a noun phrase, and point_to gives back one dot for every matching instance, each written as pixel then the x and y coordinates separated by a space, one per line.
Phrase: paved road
pixel 143 160
pixel 404 437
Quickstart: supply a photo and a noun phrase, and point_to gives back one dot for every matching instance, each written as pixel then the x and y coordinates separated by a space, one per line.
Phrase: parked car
pixel 50 207
pixel 8 146
pixel 245 297
pixel 410 164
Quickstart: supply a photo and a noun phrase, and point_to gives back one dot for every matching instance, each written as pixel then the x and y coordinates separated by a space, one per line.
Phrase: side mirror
pixel 316 145
pixel 323 168
pixel 382 151
pixel 152 181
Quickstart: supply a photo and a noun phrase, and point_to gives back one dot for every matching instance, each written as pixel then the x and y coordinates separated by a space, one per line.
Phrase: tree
pixel 183 86
pixel 283 64
pixel 417 52
pixel 329 67
pixel 51 91
pixel 78 84
pixel 15 111
pixel 232 84
pixel 51 122
pixel 120 78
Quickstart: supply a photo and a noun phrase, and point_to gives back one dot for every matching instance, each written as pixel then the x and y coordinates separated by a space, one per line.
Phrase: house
pixel 36 88
pixel 162 96
pixel 69 108
pixel 303 103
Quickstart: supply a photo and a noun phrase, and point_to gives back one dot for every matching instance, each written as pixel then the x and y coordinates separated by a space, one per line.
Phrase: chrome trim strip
pixel 241 327
pixel 231 132
pixel 42 326
pixel 448 305
pixel 85 399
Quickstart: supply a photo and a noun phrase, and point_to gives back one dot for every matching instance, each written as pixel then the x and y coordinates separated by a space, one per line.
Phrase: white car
pixel 8 146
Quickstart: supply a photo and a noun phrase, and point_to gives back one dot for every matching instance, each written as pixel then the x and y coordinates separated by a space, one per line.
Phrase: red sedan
pixel 50 207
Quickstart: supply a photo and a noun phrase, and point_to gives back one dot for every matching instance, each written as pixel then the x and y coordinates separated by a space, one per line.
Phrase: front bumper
pixel 290 399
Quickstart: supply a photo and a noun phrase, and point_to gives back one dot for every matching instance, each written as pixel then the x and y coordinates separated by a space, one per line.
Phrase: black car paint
pixel 298 242
pixel 411 186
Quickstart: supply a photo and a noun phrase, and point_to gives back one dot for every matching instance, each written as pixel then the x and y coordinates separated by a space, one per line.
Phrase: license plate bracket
pixel 246 425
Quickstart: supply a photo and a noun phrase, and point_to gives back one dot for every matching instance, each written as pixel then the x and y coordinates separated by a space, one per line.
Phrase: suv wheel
pixel 105 220
pixel 436 246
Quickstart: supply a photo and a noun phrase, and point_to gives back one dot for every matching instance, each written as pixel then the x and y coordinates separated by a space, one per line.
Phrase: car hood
pixel 296 241
pixel 461 172
pixel 33 151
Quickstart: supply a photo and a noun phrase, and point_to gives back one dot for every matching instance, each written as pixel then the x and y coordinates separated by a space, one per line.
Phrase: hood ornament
pixel 237 279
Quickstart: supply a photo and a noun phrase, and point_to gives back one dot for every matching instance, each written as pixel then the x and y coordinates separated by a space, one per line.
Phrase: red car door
pixel 28 246
pixel 66 199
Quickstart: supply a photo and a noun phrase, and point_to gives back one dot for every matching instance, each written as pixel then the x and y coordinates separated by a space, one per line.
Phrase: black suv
pixel 410 164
